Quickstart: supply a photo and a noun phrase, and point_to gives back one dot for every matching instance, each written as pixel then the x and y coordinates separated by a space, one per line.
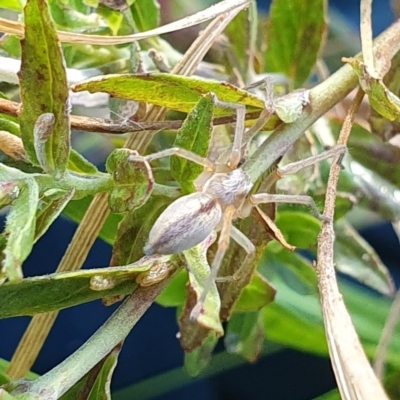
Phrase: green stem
pixel 61 378
pixel 322 97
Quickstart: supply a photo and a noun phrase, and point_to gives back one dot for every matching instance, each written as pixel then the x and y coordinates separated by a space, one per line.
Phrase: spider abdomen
pixel 183 224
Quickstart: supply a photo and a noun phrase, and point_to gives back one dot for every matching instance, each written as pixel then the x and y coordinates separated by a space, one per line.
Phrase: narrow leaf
pixel 293 27
pixel 381 126
pixel 77 163
pixel 176 92
pixel 193 333
pixel 356 258
pixel 382 100
pixel 245 335
pixel 145 14
pixel 52 204
pixel 198 359
pixel 257 294
pixel 61 290
pixel 20 230
pixel 194 136
pixel 43 84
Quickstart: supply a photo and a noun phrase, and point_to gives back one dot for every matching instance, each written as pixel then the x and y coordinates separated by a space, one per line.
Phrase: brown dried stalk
pixel 354 375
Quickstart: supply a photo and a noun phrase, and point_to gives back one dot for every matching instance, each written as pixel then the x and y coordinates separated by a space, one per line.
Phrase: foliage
pixel 275 299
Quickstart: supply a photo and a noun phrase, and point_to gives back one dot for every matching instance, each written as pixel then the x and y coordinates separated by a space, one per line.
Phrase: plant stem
pixel 323 97
pixel 115 329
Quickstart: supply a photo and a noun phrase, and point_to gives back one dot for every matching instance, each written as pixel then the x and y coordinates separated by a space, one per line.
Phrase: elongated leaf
pixel 356 258
pixel 173 91
pixel 51 207
pixel 198 359
pixel 133 179
pixel 382 100
pixel 299 228
pixel 257 294
pixel 44 86
pixel 245 335
pixel 294 26
pixel 242 46
pixel 191 337
pixel 146 14
pixel 61 290
pixel 381 126
pixel 193 136
pixel 20 230
pixel 77 163
pixel 280 265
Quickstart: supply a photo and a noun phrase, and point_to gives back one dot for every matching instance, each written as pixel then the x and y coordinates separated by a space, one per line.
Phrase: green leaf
pixel 174 295
pixel 208 319
pixel 61 290
pixel 242 47
pixel 95 385
pixel 304 335
pixel 176 92
pixel 44 87
pixel 382 100
pixel 52 204
pixel 279 265
pixel 198 359
pixel 381 126
pixel 8 124
pixel 194 136
pixel 257 294
pixel 145 14
pixel 332 395
pixel 133 179
pixel 245 335
pixel 14 5
pixel 356 258
pixel 77 163
pixel 294 26
pixel 299 229
pixel 76 209
pixel 20 230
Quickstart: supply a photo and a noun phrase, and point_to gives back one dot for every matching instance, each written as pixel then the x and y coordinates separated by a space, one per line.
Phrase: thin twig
pixel 99 125
pixel 18 28
pixel 354 375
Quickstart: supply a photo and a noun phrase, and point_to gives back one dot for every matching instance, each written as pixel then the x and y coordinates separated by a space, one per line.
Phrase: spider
pixel 223 194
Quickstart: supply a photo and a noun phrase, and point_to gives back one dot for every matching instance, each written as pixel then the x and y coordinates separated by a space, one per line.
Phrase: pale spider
pixel 223 195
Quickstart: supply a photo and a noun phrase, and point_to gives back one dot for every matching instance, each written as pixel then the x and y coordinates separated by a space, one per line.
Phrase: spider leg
pixel 262 198
pixel 223 243
pixel 292 168
pixel 242 240
pixel 177 151
pixel 236 151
